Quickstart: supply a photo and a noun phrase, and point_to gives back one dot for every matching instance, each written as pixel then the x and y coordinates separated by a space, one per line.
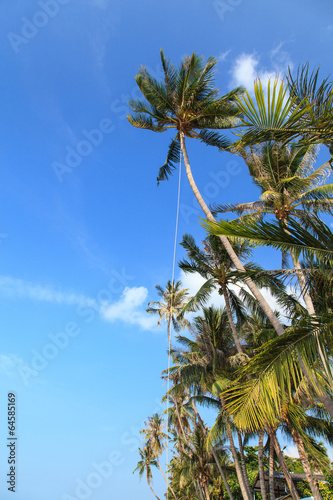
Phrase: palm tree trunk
pixel 200 491
pixel 165 479
pixel 206 492
pixel 197 490
pixel 237 263
pixel 153 492
pixel 285 469
pixel 306 466
pixel 224 479
pixel 243 462
pixel 230 318
pixel 195 483
pixel 239 472
pixel 245 493
pixel 261 465
pixel 271 466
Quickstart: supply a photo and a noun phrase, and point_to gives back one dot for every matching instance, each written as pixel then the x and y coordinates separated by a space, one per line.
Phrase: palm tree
pixel 187 102
pixel 155 438
pixel 144 466
pixel 208 353
pixel 173 299
pixel 290 187
pixel 214 264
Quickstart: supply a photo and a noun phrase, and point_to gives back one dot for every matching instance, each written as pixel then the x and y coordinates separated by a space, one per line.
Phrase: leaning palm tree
pixel 187 102
pixel 144 466
pixel 173 299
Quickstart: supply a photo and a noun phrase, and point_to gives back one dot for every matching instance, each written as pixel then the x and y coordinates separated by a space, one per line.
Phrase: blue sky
pixel 85 234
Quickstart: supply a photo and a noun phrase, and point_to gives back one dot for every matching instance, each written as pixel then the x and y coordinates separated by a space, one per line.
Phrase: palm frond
pixel 171 162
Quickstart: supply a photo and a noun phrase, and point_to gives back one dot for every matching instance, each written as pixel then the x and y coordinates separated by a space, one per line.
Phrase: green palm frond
pixel 304 88
pixel 171 162
pixel 200 298
pixel 276 368
pixel 273 235
pixel 211 138
pixel 272 116
pixel 145 122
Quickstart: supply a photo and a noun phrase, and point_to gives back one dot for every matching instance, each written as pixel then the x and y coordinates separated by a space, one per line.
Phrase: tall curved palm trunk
pixel 237 263
pixel 187 102
pixel 261 465
pixel 306 466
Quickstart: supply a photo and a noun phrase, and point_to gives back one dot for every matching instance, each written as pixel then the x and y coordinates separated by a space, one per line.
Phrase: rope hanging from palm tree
pixel 172 299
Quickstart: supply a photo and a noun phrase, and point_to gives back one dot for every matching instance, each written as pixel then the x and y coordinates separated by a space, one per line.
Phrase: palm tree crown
pixel 289 184
pixel 187 102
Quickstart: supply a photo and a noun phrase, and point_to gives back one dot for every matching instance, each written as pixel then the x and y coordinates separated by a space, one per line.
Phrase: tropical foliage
pixel 265 376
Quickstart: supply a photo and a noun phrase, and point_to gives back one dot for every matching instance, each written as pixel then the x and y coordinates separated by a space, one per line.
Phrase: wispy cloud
pixel 223 55
pixel 130 308
pixel 19 289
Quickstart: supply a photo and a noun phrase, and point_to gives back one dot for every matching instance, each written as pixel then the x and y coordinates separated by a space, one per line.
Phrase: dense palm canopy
pixel 288 181
pixel 259 371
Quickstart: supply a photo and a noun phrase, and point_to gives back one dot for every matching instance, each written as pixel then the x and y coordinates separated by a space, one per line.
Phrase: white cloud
pixel 292 451
pixel 17 288
pixel 130 308
pixel 247 68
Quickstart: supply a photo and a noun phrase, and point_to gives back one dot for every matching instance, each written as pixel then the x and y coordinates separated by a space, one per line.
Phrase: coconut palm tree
pixel 209 352
pixel 187 102
pixel 155 439
pixel 290 187
pixel 173 299
pixel 213 263
pixel 144 466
